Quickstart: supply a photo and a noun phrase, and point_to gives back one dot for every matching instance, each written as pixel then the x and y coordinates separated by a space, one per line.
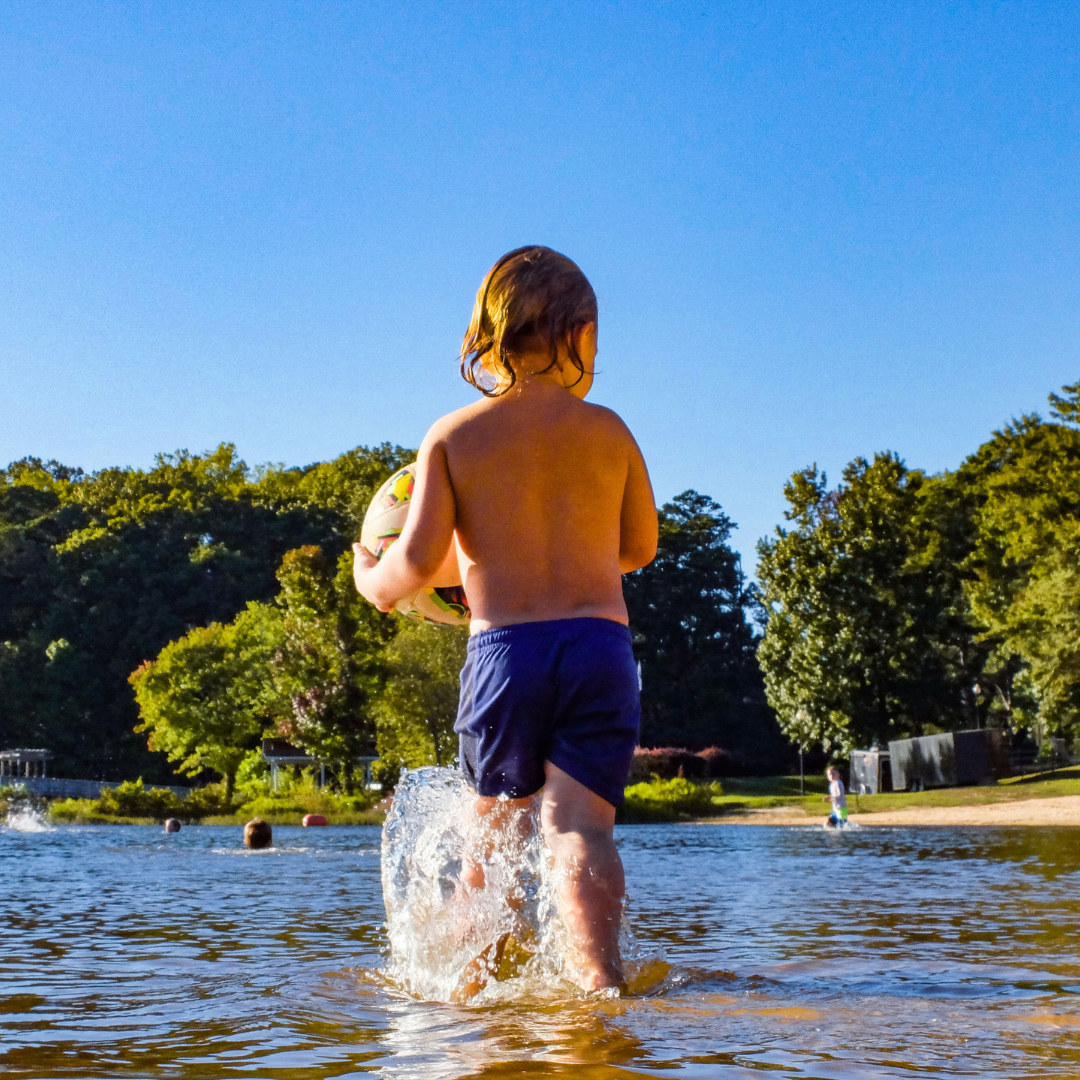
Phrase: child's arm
pixel 427 541
pixel 638 525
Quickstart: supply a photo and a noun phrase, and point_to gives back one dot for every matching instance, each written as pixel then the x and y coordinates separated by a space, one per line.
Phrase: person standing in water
pixel 838 797
pixel 538 503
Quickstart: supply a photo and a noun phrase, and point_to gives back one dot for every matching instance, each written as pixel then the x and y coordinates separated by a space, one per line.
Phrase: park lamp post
pixel 801 716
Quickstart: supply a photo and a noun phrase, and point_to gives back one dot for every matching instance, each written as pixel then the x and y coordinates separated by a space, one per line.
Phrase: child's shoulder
pixel 454 421
pixel 486 412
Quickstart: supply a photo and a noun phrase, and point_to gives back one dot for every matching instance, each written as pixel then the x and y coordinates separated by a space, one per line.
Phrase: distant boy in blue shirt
pixel 538 503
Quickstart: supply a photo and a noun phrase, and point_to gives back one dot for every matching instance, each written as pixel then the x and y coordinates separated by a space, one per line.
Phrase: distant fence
pixel 49 788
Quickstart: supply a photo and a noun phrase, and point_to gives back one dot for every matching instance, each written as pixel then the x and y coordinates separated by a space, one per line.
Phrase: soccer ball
pixel 383 522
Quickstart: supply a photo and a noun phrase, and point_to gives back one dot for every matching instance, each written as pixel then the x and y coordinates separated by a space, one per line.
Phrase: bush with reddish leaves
pixel 719 762
pixel 669 762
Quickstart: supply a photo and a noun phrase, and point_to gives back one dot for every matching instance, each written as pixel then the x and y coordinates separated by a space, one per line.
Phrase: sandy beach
pixel 1057 811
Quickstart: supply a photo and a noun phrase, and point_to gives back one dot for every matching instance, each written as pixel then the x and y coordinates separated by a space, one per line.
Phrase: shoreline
pixel 1052 811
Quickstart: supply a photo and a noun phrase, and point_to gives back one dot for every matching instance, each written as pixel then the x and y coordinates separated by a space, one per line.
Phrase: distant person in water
pixel 538 503
pixel 258 834
pixel 838 797
pixel 172 825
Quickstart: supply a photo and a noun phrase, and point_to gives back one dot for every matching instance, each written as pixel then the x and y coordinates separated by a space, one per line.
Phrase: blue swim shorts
pixel 565 691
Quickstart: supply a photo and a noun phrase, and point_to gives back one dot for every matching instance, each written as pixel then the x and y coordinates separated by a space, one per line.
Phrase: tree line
pixel 170 618
pixel 900 604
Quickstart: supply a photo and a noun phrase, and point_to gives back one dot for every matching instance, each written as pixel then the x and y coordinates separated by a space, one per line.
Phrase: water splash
pixel 448 938
pixel 26 819
pixel 470 907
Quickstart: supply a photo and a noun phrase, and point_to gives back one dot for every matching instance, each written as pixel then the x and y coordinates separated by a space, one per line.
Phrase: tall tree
pixel 207 699
pixel 331 659
pixel 861 609
pixel 1023 585
pixel 690 612
pixel 417 709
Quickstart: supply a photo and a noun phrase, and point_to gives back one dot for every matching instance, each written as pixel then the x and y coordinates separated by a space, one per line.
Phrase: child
pixel 837 797
pixel 538 503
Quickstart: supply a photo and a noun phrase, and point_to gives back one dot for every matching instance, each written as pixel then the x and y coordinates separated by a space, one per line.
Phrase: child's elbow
pixel 635 556
pixel 420 567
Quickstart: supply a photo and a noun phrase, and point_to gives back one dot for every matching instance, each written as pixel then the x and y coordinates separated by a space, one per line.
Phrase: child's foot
pixel 595 979
pixel 481 968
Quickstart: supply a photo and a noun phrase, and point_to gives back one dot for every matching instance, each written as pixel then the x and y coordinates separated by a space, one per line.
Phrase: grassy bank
pixel 1014 789
pixel 688 800
pixel 685 800
pixel 655 801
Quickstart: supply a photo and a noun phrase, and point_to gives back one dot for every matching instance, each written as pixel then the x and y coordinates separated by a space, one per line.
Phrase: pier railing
pixel 52 788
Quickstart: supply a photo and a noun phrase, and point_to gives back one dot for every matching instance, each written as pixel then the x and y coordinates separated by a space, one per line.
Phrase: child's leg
pixel 579 829
pixel 492 822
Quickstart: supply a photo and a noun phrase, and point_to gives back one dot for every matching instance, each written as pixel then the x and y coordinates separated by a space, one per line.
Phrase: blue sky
pixel 816 230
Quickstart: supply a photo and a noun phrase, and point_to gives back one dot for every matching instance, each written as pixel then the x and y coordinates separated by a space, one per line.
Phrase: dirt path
pixel 1058 811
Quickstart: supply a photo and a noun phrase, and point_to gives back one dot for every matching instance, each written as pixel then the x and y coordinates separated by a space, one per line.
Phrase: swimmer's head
pixel 258 834
pixel 172 825
pixel 533 300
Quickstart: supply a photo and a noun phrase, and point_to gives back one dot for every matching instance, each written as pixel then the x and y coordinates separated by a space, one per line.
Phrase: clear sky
pixel 816 230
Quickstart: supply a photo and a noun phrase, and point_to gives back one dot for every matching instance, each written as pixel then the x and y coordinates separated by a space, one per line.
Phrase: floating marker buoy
pixel 314 819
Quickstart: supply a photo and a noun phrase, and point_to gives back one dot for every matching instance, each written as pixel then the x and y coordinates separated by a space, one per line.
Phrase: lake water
pixel 796 953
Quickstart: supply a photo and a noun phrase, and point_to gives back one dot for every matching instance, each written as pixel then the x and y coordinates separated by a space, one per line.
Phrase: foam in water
pixel 450 941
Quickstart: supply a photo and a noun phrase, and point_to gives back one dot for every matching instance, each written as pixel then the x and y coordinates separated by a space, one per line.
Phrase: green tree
pixel 690 612
pixel 416 711
pixel 342 487
pixel 864 614
pixel 331 659
pixel 207 698
pixel 1022 582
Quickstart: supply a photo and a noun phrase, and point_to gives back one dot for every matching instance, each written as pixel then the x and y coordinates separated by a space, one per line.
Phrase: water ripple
pixel 887 953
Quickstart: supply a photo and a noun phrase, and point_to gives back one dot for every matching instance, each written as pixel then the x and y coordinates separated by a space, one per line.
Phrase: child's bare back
pixel 541 484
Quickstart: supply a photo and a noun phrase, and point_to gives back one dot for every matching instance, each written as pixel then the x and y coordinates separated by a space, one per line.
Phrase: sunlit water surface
pixel 881 953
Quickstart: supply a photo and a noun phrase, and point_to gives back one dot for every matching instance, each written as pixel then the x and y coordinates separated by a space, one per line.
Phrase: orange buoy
pixel 314 819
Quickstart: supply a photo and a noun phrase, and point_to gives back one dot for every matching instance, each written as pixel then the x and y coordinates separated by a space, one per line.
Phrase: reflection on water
pixel 886 953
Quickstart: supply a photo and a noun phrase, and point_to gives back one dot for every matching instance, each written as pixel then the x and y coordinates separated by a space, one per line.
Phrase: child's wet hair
pixel 531 297
pixel 258 834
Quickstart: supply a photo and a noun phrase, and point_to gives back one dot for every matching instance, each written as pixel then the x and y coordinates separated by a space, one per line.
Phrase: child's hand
pixel 363 565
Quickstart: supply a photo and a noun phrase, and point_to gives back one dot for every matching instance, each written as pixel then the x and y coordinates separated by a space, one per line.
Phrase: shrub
pixel 677 799
pixel 665 762
pixel 208 800
pixel 253 776
pixel 14 799
pixel 131 799
pixel 11 796
pixel 669 762
pixel 76 811
pixel 720 762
